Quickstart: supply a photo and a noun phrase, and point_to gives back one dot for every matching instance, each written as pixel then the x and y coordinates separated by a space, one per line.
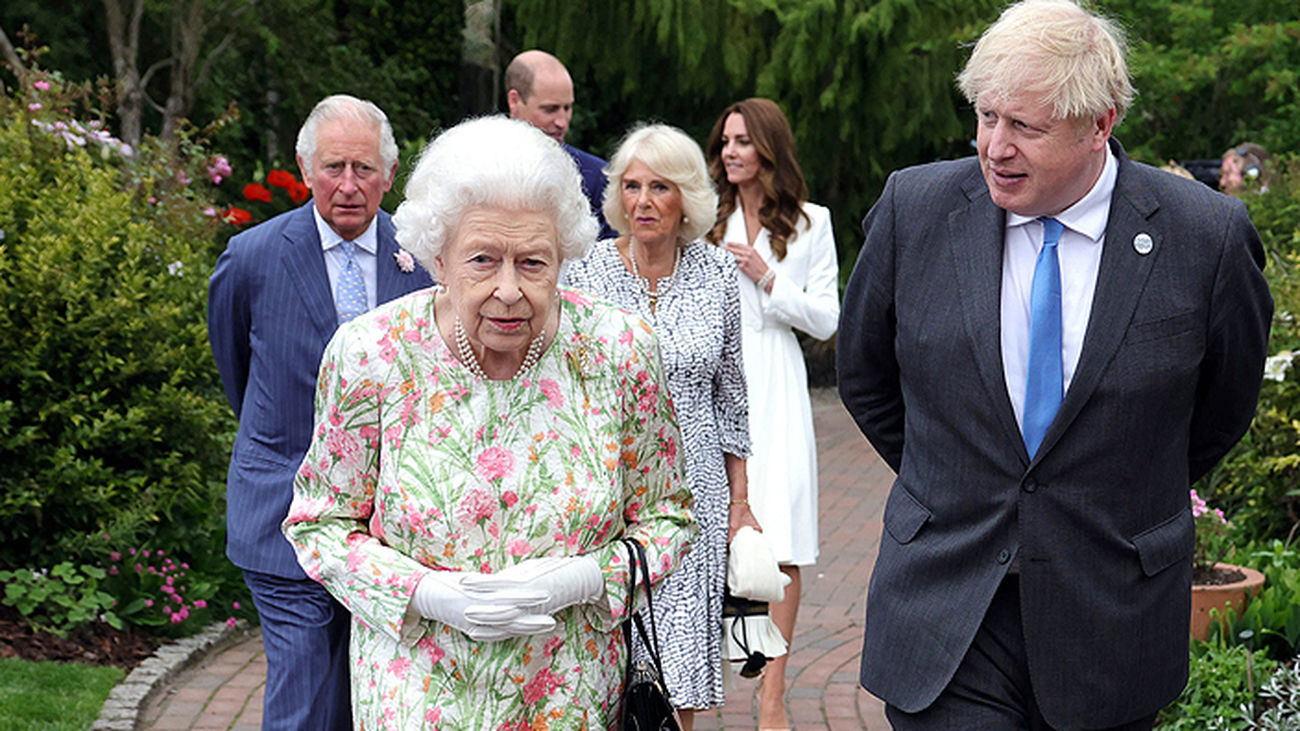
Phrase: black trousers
pixel 991 688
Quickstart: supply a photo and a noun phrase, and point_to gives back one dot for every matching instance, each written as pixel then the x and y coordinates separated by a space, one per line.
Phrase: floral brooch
pixel 405 261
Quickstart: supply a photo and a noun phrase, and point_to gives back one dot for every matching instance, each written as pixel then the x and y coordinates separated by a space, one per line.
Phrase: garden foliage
pixel 113 429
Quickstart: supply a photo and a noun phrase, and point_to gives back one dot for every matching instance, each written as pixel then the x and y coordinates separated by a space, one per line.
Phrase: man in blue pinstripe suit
pixel 278 293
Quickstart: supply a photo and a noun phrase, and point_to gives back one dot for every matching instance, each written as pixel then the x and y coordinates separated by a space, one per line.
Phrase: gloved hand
pixel 565 580
pixel 485 614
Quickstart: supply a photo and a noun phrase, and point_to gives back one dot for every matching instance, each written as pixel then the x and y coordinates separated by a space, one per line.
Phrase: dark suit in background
pixel 592 169
pixel 271 311
pixel 1080 555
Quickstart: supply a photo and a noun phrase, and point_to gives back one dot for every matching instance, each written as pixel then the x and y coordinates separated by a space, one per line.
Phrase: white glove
pixel 484 614
pixel 565 581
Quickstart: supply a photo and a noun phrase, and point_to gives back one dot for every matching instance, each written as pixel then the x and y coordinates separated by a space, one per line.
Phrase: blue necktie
pixel 350 289
pixel 1044 385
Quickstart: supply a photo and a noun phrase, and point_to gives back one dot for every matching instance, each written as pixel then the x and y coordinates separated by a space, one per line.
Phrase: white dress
pixel 782 466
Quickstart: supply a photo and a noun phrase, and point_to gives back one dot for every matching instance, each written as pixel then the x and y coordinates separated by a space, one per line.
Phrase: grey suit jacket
pixel 1166 382
pixel 270 315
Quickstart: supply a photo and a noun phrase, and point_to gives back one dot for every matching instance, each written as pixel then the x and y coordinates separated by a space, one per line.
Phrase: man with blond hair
pixel 1049 343
pixel 539 91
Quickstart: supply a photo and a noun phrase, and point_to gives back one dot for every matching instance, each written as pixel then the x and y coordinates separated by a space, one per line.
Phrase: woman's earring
pixel 686 219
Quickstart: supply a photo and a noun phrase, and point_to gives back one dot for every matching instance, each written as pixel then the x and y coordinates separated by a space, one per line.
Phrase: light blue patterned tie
pixel 350 289
pixel 1044 384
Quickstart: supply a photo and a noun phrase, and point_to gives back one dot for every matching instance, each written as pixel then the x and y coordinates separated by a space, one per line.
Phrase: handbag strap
pixel 636 556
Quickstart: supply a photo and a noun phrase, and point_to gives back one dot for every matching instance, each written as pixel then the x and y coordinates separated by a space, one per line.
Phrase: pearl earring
pixel 686 219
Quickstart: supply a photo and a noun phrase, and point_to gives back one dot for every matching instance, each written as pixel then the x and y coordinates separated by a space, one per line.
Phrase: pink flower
pixel 234 605
pixel 495 463
pixel 218 168
pixel 42 85
pixel 148 602
pixel 542 685
pixel 477 505
pixel 34 106
pixel 551 390
pixel 177 618
pixel 399 667
pixel 509 498
pixel 230 622
pixel 405 261
pixel 114 556
pixel 519 547
pixel 200 604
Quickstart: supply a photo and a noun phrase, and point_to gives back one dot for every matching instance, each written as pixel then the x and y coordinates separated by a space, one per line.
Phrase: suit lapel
pixel 975 237
pixel 1120 280
pixel 389 280
pixel 305 265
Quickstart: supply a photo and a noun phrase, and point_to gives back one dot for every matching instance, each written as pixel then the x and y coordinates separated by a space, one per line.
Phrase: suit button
pixel 1030 485
pixel 1004 555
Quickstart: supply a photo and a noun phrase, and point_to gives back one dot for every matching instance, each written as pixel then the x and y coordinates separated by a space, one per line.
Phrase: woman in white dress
pixel 786 252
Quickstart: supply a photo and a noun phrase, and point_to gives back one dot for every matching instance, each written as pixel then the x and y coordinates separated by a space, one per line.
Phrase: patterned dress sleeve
pixel 730 400
pixel 334 493
pixel 657 502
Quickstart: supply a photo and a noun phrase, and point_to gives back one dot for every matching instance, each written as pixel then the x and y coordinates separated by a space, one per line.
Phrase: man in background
pixel 277 295
pixel 539 91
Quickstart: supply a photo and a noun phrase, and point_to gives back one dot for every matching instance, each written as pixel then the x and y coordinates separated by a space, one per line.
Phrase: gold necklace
pixel 644 283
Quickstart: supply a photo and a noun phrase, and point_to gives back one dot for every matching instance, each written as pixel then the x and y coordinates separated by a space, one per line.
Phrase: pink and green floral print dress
pixel 415 466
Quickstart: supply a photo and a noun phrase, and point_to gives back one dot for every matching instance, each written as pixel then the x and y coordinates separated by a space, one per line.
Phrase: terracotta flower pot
pixel 1206 597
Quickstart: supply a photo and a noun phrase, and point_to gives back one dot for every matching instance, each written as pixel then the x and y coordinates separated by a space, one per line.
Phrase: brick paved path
pixel 225 692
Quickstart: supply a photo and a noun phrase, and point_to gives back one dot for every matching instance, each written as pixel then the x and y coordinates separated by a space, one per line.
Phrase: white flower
pixel 1275 366
pixel 405 261
pixel 176 268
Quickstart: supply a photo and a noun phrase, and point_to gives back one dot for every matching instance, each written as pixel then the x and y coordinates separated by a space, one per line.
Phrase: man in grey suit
pixel 278 293
pixel 1048 343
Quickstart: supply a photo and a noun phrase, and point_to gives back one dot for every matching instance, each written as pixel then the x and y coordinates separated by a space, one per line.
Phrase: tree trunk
pixel 124 43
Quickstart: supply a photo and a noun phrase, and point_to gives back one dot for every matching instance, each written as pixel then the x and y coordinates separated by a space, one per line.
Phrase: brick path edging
pixel 121 710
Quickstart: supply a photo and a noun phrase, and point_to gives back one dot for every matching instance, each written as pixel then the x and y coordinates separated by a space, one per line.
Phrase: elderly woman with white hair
pixel 481 448
pixel 661 200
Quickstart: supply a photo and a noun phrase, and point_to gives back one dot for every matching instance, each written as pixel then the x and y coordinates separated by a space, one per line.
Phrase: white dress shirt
pixel 1079 251
pixel 336 261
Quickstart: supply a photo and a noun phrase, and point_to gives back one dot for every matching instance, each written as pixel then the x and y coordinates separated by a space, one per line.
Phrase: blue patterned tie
pixel 1044 385
pixel 350 289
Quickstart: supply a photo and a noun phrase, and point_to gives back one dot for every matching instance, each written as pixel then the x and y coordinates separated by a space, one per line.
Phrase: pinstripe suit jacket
pixel 270 315
pixel 1166 382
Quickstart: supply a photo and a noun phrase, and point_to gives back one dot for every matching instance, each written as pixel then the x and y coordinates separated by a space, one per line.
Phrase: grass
pixel 52 696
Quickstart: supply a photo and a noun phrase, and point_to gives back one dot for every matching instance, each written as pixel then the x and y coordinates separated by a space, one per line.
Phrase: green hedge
pixel 113 430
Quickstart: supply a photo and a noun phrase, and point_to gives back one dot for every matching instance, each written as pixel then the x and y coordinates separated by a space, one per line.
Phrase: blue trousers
pixel 305 634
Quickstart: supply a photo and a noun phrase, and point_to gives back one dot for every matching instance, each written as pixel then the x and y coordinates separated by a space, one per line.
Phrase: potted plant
pixel 1215 584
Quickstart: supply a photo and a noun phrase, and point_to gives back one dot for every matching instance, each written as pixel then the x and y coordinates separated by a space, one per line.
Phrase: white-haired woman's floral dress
pixel 698 323
pixel 416 465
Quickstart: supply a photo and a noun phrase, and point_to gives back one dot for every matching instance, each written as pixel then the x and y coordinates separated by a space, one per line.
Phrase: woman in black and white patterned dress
pixel 661 200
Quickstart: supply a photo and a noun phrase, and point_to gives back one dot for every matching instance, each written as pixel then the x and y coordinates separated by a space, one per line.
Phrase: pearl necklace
pixel 665 283
pixel 467 358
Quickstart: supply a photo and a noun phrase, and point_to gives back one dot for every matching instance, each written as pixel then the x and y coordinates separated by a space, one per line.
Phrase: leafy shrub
pixel 111 416
pixel 1280 699
pixel 1272 618
pixel 1219 692
pixel 60 599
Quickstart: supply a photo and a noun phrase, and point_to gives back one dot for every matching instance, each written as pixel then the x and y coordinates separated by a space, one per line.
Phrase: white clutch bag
pixel 749 637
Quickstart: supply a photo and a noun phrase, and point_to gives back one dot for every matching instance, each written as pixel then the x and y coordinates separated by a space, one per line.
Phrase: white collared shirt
pixel 335 260
pixel 1080 255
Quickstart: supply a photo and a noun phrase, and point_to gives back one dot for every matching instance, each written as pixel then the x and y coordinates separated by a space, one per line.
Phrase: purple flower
pixel 34 106
pixel 114 556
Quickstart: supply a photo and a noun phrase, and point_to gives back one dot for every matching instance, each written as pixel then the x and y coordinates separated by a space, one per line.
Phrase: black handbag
pixel 645 699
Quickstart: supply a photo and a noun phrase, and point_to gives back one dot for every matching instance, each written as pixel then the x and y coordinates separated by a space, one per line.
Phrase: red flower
pixel 299 192
pixel 257 192
pixel 236 216
pixel 281 178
